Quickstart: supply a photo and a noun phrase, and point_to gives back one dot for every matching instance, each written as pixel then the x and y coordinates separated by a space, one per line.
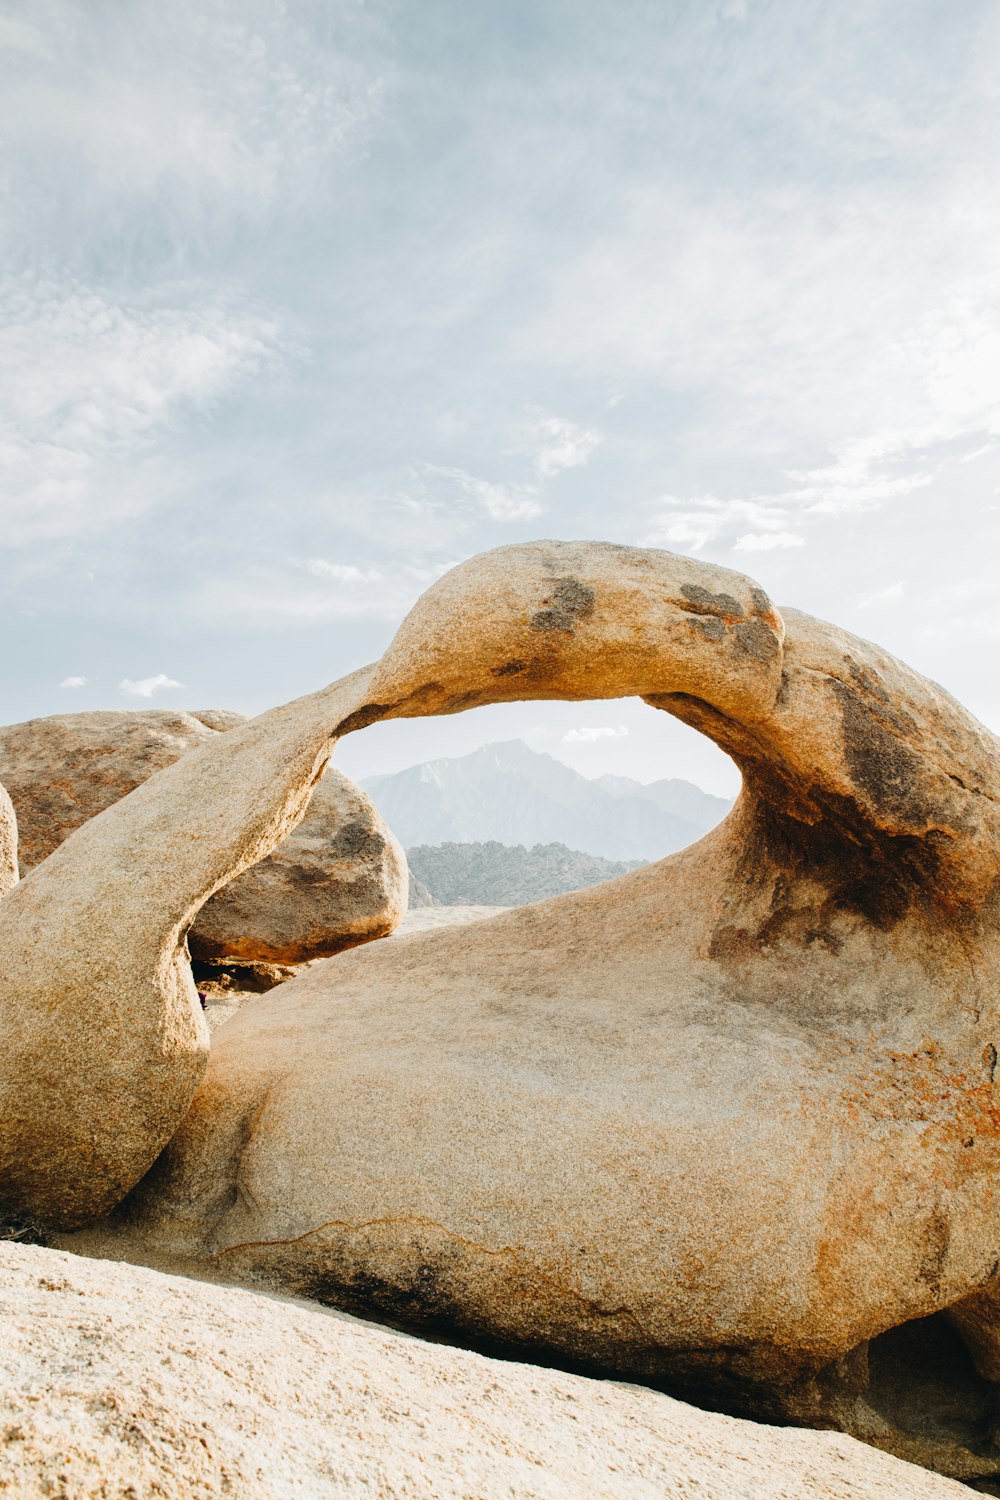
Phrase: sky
pixel 304 301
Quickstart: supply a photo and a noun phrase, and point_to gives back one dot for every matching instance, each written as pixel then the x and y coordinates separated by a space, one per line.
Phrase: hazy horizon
pixel 520 740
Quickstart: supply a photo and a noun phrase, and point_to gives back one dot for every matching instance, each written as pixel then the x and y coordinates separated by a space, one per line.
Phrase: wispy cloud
pixel 820 312
pixel 693 523
pixel 314 591
pixel 555 443
pixel 589 733
pixel 185 111
pixel 145 687
pixel 138 149
pixel 889 595
pixel 864 476
pixel 73 682
pixel 767 541
pixel 87 387
pixel 498 502
pixel 345 573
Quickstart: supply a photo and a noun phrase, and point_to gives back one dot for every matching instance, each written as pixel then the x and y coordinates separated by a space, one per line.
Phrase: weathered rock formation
pixel 728 1123
pixel 119 1381
pixel 338 879
pixel 725 1123
pixel 8 842
pixel 63 770
pixel 104 1037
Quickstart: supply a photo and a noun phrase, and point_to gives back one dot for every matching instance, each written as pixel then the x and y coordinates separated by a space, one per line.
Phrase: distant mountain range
pixel 493 874
pixel 510 794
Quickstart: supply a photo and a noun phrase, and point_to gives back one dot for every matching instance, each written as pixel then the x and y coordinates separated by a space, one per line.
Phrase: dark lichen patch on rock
pixel 791 835
pixel 761 603
pixel 552 619
pixel 703 601
pixel 756 639
pixel 870 686
pixel 709 626
pixel 569 602
pixel 355 840
pixel 881 766
pixel 990 909
pixel 510 668
pixel 369 713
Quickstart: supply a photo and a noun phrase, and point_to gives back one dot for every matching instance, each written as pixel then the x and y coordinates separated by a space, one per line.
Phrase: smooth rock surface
pixel 727 1122
pixel 338 879
pixel 120 1383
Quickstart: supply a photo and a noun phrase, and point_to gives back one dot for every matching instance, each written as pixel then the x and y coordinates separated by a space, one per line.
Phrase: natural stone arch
pixel 95 983
pixel 717 1124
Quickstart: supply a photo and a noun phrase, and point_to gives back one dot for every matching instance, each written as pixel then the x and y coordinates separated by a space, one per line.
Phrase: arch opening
pixel 509 804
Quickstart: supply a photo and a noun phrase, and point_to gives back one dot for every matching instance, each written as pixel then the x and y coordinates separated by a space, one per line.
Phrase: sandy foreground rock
pixel 728 1122
pixel 336 880
pixel 123 1382
pixel 8 842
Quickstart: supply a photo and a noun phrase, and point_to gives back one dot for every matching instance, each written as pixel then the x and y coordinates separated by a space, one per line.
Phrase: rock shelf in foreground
pixel 120 1382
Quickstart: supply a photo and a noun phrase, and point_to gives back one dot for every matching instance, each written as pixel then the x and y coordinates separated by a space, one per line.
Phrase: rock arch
pixel 718 1124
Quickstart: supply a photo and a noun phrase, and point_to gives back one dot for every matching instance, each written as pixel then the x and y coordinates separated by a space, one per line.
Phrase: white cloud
pixel 881 596
pixel 859 478
pixel 196 106
pixel 89 388
pixel 137 155
pixel 345 573
pixel 555 443
pixel 767 541
pixel 691 528
pixel 589 733
pixel 694 522
pixel 863 475
pixel 73 682
pixel 499 502
pixel 276 596
pixel 147 686
pixel 968 458
pixel 803 315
